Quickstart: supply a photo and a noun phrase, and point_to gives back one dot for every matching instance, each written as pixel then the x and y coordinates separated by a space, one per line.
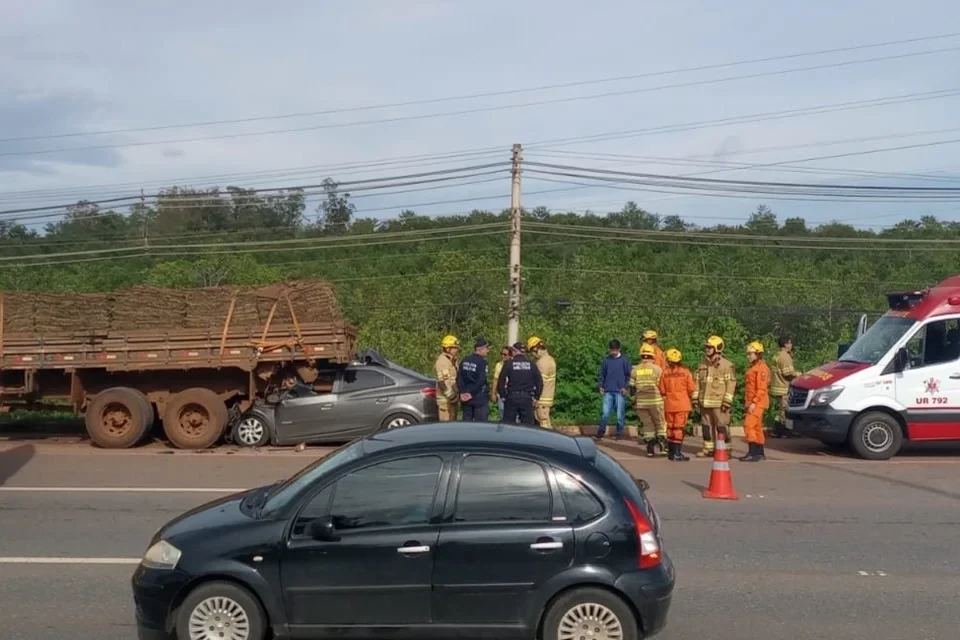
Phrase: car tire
pixel 118 418
pixel 395 420
pixel 221 603
pixel 876 436
pixel 593 606
pixel 251 431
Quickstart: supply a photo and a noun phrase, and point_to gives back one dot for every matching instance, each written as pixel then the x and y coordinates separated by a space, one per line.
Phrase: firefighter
pixel 781 375
pixel 548 372
pixel 520 382
pixel 650 337
pixel 716 382
pixel 446 372
pixel 757 399
pixel 647 401
pixel 677 387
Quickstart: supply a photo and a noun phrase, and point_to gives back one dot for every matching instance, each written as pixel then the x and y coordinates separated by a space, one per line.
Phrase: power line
pixel 489 94
pixel 486 109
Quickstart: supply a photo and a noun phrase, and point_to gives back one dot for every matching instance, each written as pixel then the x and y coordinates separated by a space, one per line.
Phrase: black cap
pixel 518 346
pixel 480 342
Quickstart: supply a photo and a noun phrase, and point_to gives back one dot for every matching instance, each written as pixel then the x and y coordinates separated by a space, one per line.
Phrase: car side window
pixel 389 494
pixel 936 342
pixel 497 488
pixel 363 379
pixel 316 508
pixel 580 503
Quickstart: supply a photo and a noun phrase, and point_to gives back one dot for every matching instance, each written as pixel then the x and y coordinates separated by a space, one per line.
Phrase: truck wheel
pixel 195 419
pixel 118 418
pixel 876 436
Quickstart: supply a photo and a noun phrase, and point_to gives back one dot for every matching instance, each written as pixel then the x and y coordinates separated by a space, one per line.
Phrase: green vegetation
pixel 407 281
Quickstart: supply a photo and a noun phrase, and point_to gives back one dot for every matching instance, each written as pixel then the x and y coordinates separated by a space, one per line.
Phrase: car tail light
pixel 430 392
pixel 647 544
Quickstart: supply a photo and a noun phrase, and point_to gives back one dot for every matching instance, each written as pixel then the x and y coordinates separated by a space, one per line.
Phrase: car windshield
pixel 287 490
pixel 877 341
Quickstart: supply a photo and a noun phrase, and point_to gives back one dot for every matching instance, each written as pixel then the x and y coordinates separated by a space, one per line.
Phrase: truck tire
pixel 195 419
pixel 118 418
pixel 876 436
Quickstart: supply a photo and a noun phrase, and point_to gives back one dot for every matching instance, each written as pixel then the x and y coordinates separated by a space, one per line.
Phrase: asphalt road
pixel 818 546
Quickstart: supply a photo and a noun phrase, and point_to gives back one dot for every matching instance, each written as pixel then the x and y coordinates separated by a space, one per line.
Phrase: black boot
pixel 677 451
pixel 756 455
pixel 751 449
pixel 778 430
pixel 651 448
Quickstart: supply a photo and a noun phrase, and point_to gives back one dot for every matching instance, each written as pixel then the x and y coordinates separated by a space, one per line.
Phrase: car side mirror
pixel 901 360
pixel 644 485
pixel 322 529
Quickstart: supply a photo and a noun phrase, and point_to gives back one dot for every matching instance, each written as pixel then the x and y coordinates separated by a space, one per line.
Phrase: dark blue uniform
pixel 520 383
pixel 472 379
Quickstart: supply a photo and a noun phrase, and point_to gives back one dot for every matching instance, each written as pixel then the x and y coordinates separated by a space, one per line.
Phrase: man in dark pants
pixel 472 382
pixel 520 383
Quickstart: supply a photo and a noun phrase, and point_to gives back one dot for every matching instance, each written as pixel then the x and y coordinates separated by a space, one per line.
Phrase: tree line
pixel 408 280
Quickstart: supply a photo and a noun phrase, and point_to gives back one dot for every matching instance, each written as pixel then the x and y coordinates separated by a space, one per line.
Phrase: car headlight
pixel 825 396
pixel 162 555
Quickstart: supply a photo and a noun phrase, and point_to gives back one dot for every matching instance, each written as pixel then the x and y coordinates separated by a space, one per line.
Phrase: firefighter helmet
pixel 674 355
pixel 647 351
pixel 716 342
pixel 449 342
pixel 755 347
pixel 533 342
pixel 649 334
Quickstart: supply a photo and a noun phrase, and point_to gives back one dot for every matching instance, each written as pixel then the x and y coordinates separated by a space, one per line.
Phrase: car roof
pixel 479 434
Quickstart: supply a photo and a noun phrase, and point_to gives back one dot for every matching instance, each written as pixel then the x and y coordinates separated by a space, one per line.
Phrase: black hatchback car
pixel 466 530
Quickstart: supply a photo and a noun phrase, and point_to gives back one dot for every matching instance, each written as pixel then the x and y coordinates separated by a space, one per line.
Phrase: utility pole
pixel 513 309
pixel 143 212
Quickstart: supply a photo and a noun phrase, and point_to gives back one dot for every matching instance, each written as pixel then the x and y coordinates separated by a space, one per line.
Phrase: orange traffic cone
pixel 721 482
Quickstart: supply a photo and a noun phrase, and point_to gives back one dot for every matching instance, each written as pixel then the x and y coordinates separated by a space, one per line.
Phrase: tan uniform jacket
pixel 715 383
pixel 446 372
pixel 548 371
pixel 645 381
pixel 782 372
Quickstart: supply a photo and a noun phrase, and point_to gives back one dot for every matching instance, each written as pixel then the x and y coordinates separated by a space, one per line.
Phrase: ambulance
pixel 900 380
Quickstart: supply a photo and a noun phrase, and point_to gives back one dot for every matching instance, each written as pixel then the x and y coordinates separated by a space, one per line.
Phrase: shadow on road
pixel 693 485
pixel 12 460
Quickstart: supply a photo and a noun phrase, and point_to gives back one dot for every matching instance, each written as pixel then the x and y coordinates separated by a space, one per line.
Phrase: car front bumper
pixel 154 593
pixel 650 592
pixel 825 424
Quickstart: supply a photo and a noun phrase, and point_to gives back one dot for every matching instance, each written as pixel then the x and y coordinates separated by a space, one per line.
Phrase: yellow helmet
pixel 755 347
pixel 449 342
pixel 532 342
pixel 649 334
pixel 674 355
pixel 647 351
pixel 716 342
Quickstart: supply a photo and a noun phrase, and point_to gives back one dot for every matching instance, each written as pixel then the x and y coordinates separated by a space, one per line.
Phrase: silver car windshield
pixel 878 340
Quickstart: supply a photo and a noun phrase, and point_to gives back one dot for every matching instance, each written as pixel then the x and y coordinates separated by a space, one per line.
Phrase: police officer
pixel 472 383
pixel 519 384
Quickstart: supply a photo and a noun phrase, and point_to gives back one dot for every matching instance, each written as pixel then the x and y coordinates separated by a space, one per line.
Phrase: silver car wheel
pixel 877 437
pixel 590 621
pixel 398 422
pixel 250 431
pixel 219 618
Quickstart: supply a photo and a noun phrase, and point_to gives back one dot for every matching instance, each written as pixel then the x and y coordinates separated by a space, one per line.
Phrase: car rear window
pixel 621 479
pixel 580 504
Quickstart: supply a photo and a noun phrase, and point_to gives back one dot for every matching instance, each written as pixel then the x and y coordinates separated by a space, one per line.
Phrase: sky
pixel 73 70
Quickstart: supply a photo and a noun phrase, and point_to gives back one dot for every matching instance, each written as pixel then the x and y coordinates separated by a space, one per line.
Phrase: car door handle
pixel 383 400
pixel 546 546
pixel 955 376
pixel 326 407
pixel 413 550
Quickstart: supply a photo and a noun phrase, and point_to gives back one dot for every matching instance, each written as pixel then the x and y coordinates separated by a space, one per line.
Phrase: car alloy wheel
pixel 250 431
pixel 590 621
pixel 399 421
pixel 219 618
